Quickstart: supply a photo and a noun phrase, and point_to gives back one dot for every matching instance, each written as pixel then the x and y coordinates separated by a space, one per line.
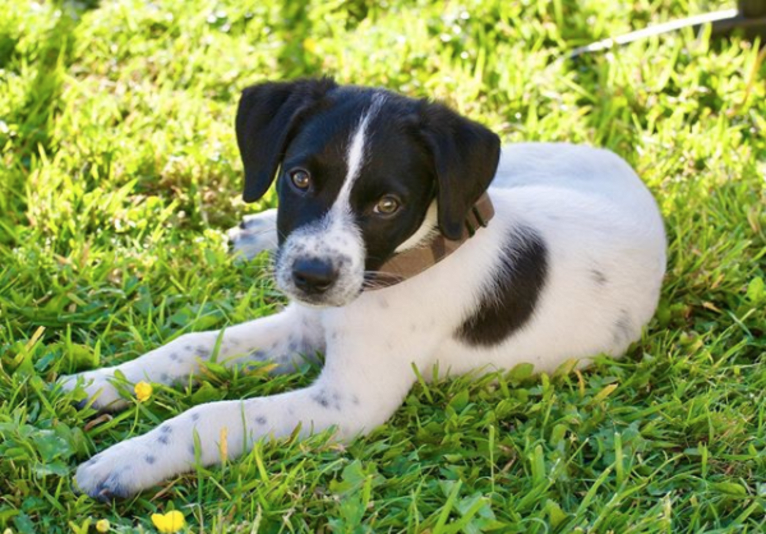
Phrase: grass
pixel 119 174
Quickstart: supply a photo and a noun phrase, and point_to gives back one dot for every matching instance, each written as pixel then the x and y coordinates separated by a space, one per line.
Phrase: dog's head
pixel 357 171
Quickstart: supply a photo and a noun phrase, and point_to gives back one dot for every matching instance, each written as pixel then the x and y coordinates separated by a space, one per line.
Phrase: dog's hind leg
pixel 255 234
pixel 286 339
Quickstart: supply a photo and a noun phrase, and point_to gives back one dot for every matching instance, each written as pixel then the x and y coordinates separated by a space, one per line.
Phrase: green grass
pixel 119 174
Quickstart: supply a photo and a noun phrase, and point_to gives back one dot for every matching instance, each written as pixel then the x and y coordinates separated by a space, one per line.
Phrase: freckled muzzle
pixel 321 265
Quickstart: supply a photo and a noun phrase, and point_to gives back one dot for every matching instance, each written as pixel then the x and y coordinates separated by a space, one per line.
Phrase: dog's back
pixel 577 168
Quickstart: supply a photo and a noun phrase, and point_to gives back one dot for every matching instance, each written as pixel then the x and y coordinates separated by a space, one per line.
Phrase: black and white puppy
pixel 569 267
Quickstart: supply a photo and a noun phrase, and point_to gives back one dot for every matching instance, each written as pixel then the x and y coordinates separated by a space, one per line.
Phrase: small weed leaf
pixel 459 401
pixel 756 291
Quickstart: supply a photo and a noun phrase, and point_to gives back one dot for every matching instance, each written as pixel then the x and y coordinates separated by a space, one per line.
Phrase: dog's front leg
pixel 284 338
pixel 357 391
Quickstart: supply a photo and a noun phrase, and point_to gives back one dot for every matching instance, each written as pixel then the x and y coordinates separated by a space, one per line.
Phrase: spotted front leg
pixel 285 339
pixel 168 450
pixel 366 375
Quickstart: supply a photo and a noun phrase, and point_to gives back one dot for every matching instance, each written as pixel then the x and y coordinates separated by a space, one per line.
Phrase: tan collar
pixel 411 262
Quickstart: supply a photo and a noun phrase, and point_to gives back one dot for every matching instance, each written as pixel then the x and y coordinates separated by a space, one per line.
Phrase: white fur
pixel 426 230
pixel 355 155
pixel 592 212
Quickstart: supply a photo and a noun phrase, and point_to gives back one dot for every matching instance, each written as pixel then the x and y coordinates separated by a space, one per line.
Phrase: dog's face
pixel 358 170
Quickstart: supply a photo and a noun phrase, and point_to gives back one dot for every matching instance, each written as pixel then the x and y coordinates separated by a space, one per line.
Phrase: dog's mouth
pixel 332 298
pixel 318 302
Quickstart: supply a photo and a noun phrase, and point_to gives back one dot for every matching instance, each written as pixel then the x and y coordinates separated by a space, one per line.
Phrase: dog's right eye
pixel 300 179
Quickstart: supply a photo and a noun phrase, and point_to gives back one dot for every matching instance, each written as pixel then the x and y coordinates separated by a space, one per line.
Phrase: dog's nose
pixel 314 275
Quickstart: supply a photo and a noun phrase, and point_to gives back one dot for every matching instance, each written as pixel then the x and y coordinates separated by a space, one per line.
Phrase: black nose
pixel 314 275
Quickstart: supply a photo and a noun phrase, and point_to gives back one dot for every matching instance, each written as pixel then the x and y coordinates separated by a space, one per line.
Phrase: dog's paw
pixel 118 472
pixel 138 463
pixel 254 234
pixel 101 479
pixel 99 387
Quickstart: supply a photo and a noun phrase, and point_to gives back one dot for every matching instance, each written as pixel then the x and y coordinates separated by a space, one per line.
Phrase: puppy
pixel 395 251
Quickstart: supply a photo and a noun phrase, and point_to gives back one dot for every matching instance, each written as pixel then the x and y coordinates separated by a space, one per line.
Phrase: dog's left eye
pixel 387 205
pixel 300 178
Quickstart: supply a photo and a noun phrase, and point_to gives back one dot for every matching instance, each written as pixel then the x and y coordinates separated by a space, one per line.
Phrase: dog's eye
pixel 387 205
pixel 300 178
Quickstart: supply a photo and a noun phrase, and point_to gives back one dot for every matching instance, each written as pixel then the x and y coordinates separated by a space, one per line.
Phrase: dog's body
pixel 570 267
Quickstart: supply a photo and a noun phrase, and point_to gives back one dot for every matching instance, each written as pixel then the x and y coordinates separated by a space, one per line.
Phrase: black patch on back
pixel 509 302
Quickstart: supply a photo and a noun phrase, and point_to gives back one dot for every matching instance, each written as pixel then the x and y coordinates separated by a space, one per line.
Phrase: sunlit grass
pixel 119 173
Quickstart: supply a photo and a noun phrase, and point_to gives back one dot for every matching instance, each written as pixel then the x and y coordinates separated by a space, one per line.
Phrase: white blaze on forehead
pixel 356 152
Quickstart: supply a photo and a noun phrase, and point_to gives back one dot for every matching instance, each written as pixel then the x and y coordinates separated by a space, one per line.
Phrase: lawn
pixel 119 174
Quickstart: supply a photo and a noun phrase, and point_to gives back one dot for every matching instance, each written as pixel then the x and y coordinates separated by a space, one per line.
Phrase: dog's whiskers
pixel 379 280
pixel 380 275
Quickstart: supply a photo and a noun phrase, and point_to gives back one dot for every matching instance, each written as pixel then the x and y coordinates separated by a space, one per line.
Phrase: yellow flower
pixel 143 391
pixel 310 45
pixel 102 525
pixel 169 522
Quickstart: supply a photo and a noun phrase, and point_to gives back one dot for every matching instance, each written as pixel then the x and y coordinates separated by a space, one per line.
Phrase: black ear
pixel 266 115
pixel 465 160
